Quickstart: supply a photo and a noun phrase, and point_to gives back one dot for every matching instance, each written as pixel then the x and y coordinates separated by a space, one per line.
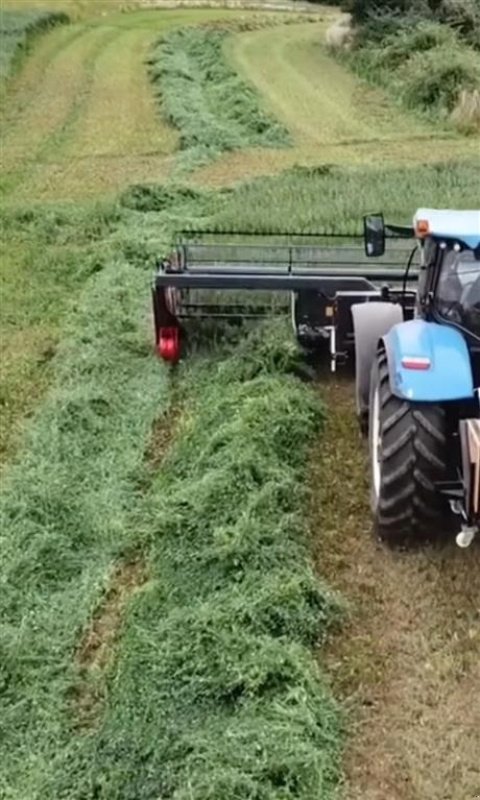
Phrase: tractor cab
pixel 418 381
pixel 457 298
pixel 450 247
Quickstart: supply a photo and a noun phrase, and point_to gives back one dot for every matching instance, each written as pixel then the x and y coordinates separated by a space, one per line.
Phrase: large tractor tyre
pixel 408 456
pixel 371 322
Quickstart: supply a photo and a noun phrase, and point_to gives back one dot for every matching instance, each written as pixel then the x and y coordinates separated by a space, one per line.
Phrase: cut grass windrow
pixel 215 692
pixel 48 259
pixel 66 510
pixel 209 688
pixel 204 98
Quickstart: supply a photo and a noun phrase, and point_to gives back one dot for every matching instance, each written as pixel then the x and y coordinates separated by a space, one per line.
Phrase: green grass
pixel 76 9
pixel 335 199
pixel 46 263
pixel 103 131
pixel 229 702
pixel 316 199
pixel 333 116
pixel 214 666
pixel 211 689
pixel 16 30
pixel 67 503
pixel 204 98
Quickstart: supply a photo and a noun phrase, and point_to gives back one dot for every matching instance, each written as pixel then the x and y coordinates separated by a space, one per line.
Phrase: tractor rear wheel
pixel 408 455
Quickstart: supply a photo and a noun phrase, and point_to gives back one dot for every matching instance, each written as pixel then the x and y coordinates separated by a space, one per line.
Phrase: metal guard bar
pixel 278 281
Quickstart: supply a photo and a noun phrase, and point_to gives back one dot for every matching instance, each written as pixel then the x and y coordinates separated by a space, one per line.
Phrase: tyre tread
pixel 414 459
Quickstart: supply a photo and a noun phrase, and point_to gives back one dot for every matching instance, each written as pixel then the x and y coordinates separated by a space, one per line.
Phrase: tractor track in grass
pixel 407 662
pixel 96 649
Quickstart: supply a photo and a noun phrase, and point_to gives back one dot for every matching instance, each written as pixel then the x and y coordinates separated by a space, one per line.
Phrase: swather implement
pixel 407 313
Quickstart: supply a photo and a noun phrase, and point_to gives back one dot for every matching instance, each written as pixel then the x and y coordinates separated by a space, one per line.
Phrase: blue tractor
pixel 414 333
pixel 418 379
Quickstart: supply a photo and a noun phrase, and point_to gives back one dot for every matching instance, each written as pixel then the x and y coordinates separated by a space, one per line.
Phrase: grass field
pixel 103 131
pixel 77 577
pixel 334 119
pixel 160 612
pixel 42 270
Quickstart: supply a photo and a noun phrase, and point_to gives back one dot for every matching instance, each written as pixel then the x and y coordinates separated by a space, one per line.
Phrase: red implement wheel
pixel 169 344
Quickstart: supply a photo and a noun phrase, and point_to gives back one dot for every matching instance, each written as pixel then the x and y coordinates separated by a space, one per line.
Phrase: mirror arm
pixel 405 232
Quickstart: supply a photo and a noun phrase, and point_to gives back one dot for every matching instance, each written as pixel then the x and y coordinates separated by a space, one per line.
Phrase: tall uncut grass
pixel 213 108
pixel 16 29
pixel 335 199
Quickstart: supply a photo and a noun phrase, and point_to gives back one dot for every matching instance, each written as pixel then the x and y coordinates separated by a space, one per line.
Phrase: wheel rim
pixel 376 444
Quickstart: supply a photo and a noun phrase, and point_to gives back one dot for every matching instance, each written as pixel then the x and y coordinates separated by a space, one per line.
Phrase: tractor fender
pixel 428 362
pixel 371 321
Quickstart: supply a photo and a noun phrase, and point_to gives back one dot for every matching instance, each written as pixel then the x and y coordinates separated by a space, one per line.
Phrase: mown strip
pixel 16 30
pixel 213 108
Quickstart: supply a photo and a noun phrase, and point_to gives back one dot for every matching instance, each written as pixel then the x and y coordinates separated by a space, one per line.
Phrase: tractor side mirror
pixel 374 235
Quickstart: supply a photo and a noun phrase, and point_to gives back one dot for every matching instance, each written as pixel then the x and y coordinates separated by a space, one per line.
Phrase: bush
pixel 424 63
pixel 464 17
pixel 397 48
pixel 433 80
pixel 378 18
pixel 364 10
